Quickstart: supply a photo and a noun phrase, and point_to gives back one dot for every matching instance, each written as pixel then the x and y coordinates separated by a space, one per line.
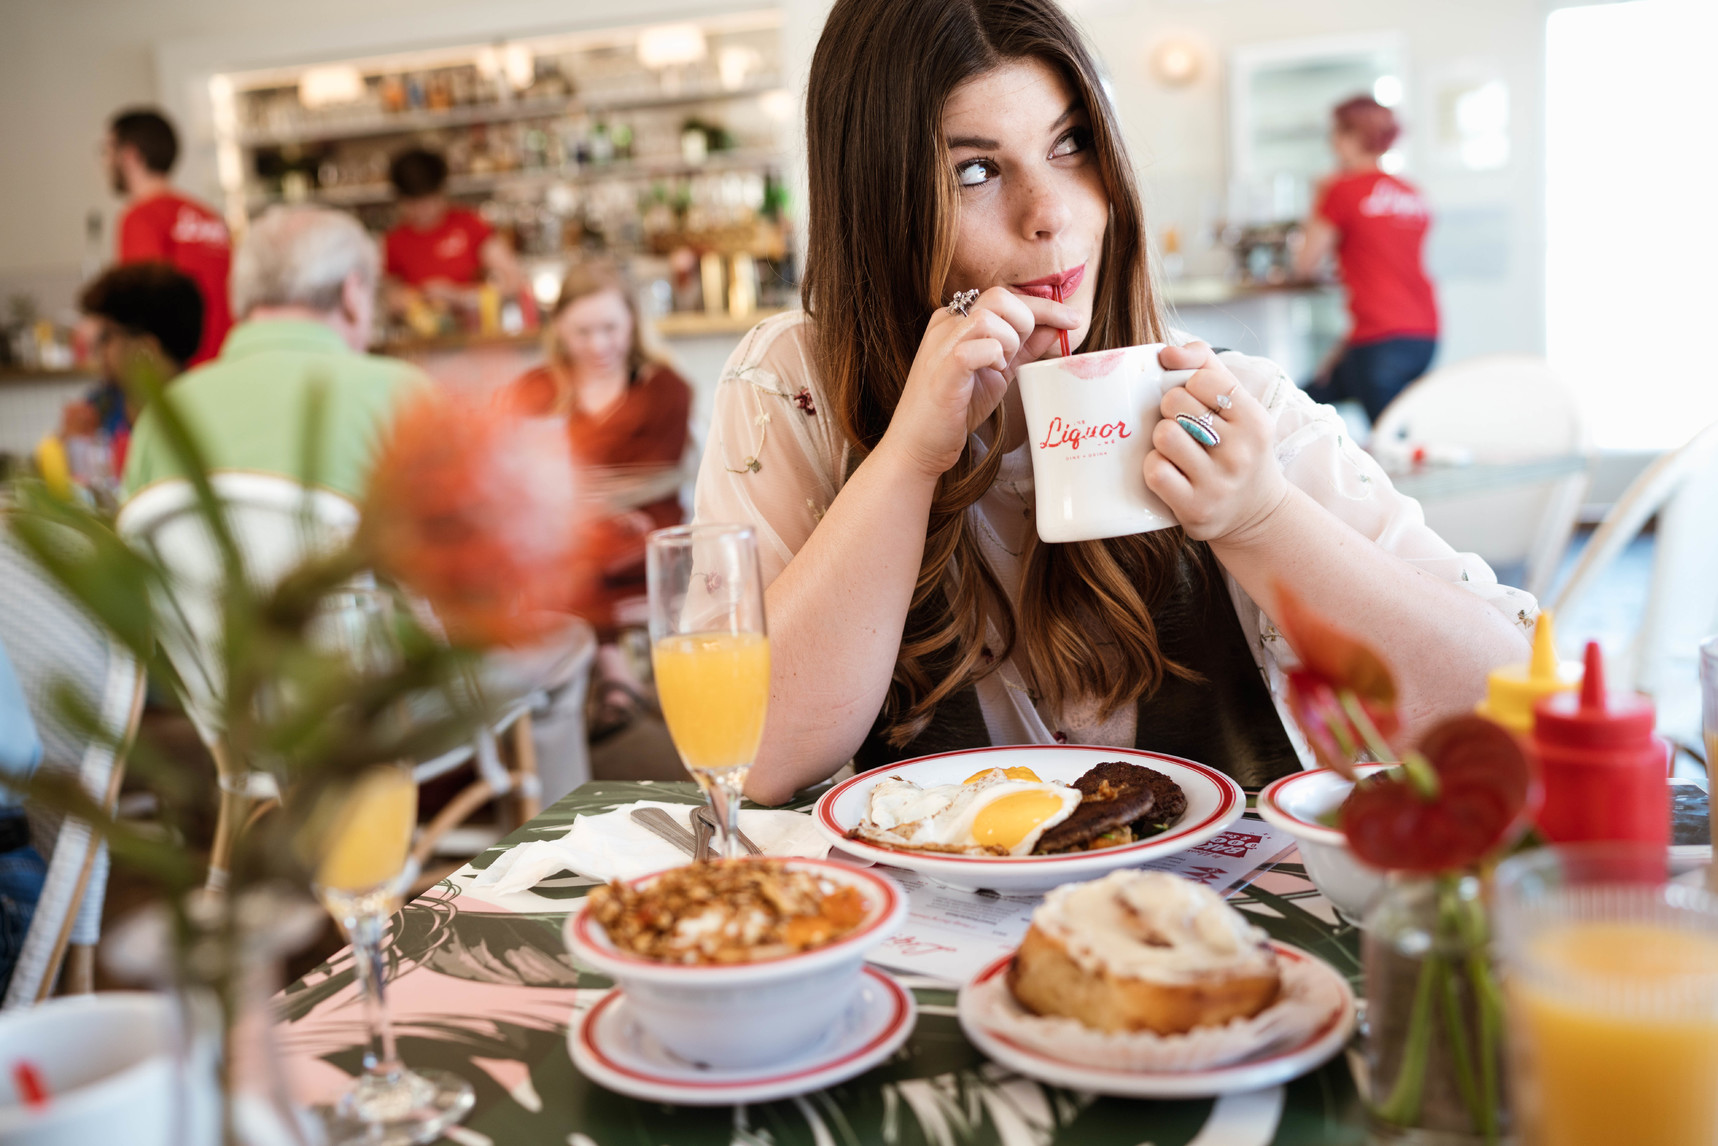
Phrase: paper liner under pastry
pixel 1307 999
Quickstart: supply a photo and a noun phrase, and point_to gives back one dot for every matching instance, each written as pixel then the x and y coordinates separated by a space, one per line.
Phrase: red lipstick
pixel 1059 285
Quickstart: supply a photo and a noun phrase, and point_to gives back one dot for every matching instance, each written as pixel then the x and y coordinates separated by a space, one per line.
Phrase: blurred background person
pixel 146 311
pixel 1376 224
pixel 161 225
pixel 440 255
pixel 21 867
pixel 627 414
pixel 304 286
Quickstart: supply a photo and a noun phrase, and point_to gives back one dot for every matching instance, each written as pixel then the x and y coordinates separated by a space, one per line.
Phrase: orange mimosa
pixel 1616 1031
pixel 714 689
pixel 370 834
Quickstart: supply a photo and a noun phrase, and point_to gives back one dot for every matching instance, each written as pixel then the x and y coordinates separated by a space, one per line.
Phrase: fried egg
pixel 995 812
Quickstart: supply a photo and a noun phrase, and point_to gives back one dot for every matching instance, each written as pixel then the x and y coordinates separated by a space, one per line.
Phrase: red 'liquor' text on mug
pixel 1058 434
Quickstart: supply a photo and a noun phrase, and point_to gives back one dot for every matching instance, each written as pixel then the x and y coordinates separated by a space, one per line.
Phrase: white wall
pixel 1486 248
pixel 65 65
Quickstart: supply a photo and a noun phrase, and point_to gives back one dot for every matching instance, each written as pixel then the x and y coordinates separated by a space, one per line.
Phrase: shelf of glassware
pixel 368 122
pixel 366 194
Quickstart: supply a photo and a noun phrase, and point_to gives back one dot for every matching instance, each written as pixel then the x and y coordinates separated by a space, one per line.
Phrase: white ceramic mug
pixel 1089 418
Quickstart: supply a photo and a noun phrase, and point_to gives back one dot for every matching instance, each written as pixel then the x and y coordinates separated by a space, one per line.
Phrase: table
pixel 1437 482
pixel 485 988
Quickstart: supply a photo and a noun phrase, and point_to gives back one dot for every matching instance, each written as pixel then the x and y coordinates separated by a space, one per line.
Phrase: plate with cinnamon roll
pixel 1028 818
pixel 1146 985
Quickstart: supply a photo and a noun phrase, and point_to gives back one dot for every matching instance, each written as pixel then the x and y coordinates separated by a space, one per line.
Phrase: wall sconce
pixel 1176 61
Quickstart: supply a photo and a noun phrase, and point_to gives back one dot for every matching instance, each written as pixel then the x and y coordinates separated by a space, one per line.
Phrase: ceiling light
pixel 668 45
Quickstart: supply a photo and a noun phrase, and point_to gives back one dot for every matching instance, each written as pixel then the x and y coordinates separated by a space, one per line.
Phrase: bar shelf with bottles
pixel 662 145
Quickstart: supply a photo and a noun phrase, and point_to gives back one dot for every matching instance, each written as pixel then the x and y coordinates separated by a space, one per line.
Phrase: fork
pixel 705 814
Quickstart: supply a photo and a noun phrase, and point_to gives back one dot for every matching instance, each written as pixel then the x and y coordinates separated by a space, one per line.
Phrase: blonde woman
pixel 876 441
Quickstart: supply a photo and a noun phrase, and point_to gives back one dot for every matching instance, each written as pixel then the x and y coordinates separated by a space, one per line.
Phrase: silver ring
pixel 1224 401
pixel 1201 427
pixel 962 302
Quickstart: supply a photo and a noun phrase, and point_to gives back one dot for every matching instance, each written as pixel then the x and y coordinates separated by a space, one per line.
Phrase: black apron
pixel 1224 719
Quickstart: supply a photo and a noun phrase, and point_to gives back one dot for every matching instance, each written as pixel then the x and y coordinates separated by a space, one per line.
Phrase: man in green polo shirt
pixel 304 289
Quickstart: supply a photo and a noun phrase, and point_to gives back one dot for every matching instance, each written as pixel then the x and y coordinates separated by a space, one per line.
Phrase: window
pixel 1631 298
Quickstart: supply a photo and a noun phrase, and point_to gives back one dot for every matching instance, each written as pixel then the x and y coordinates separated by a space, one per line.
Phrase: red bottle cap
pixel 1593 718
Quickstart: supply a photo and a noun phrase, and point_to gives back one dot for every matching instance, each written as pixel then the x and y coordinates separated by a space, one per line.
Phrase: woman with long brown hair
pixel 876 440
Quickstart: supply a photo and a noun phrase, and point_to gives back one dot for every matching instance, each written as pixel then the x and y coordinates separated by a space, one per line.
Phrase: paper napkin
pixel 610 845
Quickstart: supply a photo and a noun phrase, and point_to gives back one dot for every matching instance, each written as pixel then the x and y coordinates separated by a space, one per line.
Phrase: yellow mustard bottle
pixel 1513 690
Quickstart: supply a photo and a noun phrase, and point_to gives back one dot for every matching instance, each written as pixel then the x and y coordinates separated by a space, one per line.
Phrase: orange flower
pixel 475 509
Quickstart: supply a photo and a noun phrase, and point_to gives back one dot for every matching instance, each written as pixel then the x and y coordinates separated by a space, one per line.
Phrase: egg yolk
pixel 1005 822
pixel 1016 773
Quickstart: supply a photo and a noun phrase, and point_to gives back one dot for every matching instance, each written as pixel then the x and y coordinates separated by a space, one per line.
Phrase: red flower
pixel 1486 794
pixel 1335 667
pixel 474 509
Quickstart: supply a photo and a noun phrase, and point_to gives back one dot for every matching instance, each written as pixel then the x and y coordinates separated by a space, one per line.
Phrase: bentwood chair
pixel 1681 607
pixel 1500 408
pixel 277 523
pixel 53 644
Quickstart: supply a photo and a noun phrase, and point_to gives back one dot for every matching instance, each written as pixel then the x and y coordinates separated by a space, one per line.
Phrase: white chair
pixel 53 643
pixel 277 523
pixel 1500 408
pixel 1681 608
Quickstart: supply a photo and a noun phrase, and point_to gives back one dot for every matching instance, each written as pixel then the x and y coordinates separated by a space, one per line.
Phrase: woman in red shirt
pixel 626 412
pixel 1376 223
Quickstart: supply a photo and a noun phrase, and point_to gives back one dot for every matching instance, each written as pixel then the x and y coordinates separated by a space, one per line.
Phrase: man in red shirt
pixel 161 225
pixel 439 251
pixel 1377 225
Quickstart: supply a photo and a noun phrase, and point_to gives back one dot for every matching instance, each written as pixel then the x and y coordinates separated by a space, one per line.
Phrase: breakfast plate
pixel 1214 801
pixel 610 1048
pixel 1275 1065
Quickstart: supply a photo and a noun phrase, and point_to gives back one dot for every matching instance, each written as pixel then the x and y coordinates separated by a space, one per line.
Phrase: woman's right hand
pixel 963 368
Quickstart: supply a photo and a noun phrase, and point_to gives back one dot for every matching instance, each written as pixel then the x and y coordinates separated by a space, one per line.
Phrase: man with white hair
pixel 304 289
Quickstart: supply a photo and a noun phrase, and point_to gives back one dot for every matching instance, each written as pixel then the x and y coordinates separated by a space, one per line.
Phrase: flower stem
pixel 1403 1105
pixel 1421 775
pixel 1369 734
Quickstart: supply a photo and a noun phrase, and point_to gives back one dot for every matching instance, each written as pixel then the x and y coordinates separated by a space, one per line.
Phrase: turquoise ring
pixel 1200 428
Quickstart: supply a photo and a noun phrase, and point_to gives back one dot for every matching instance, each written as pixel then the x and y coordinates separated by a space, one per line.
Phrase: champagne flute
pixel 360 833
pixel 362 875
pixel 1709 726
pixel 711 657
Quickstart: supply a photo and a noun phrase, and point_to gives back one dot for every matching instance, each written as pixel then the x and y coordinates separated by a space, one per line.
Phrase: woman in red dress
pixel 1376 223
pixel 626 412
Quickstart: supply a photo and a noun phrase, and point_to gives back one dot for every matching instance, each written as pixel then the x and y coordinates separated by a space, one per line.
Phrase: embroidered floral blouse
pixel 776 460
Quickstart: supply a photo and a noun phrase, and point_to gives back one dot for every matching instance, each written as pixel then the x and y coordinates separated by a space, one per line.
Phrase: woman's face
pixel 596 332
pixel 1032 203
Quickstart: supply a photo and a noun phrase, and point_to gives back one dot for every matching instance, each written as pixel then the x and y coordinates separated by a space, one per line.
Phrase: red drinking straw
pixel 27 1080
pixel 1061 335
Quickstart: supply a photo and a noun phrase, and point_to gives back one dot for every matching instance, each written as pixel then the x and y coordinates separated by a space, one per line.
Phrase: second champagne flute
pixel 711 656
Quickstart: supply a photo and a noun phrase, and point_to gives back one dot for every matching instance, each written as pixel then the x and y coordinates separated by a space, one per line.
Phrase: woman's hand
pixel 963 368
pixel 1223 493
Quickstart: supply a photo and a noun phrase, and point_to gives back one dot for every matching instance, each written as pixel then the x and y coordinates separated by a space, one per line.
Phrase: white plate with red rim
pixel 1214 801
pixel 610 1048
pixel 1276 1065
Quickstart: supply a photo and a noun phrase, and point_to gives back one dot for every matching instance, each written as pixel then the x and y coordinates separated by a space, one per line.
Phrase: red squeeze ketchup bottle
pixel 1604 772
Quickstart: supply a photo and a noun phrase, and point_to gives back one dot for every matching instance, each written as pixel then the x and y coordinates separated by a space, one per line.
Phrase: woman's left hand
pixel 1221 493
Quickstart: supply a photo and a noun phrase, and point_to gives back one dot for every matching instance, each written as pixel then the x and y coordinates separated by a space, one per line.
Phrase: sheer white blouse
pixel 776 459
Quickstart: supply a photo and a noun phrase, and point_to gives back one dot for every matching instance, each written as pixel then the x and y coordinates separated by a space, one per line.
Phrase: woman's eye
pixel 974 172
pixel 1073 141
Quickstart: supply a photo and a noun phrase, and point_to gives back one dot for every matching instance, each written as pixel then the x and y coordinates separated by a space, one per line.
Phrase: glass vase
pixel 1434 1043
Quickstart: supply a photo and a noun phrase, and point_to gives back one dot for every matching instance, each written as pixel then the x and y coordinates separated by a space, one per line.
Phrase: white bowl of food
pixel 741 963
pixel 1028 818
pixel 1301 804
